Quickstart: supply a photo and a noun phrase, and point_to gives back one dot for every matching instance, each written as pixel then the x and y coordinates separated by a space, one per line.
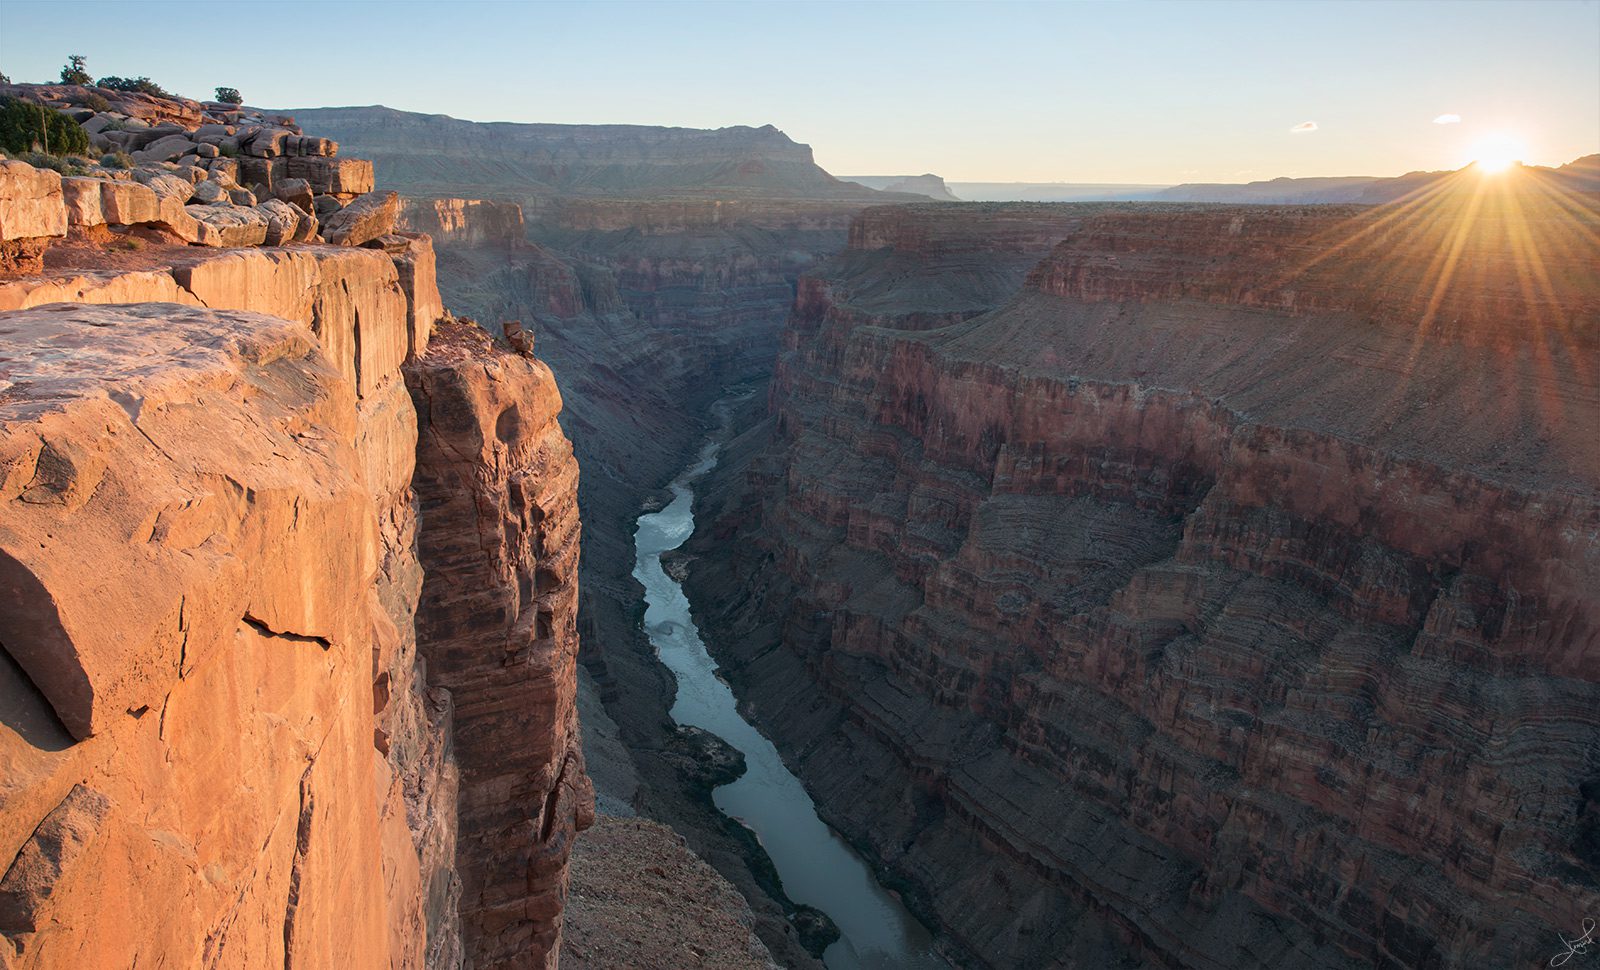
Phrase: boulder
pixel 326 205
pixel 296 192
pixel 210 193
pixel 243 197
pixel 129 203
pixel 31 205
pixel 228 227
pixel 283 221
pixel 266 142
pixel 330 176
pixel 224 170
pixel 96 124
pixel 165 184
pixel 363 220
pixel 190 172
pixel 82 199
pixel 207 151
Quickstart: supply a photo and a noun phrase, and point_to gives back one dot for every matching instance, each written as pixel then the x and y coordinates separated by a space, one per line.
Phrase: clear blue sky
pixel 1128 92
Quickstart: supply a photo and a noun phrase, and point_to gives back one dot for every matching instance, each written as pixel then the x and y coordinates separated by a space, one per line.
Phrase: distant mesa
pixel 421 154
pixel 926 184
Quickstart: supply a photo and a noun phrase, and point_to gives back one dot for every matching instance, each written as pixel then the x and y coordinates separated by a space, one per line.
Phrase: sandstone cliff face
pixel 464 222
pixel 498 628
pixel 1226 599
pixel 222 741
pixel 196 568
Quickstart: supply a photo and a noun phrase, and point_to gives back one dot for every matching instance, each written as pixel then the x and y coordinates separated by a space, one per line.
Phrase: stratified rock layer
pixel 498 628
pixel 1226 599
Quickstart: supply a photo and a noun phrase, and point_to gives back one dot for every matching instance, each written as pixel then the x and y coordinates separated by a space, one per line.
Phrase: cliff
pixel 928 185
pixel 437 154
pixel 464 222
pixel 237 677
pixel 1222 598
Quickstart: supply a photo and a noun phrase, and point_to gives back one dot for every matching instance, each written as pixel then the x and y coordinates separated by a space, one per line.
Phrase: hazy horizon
pixel 1155 93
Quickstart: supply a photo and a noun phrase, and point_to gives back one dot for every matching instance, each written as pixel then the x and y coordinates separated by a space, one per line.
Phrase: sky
pixel 1133 92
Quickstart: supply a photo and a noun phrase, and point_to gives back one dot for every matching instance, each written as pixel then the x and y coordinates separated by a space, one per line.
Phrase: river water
pixel 818 867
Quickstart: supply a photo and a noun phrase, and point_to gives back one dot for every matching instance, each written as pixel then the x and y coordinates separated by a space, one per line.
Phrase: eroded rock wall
pixel 1170 617
pixel 197 565
pixel 222 739
pixel 498 628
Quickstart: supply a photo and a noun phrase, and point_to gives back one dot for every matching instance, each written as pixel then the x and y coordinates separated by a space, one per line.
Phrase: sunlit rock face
pixel 1224 596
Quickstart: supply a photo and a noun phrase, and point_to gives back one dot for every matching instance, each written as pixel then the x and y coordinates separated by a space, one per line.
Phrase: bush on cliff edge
pixel 24 125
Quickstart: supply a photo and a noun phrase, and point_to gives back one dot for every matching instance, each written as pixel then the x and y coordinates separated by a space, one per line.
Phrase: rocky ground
pixel 641 899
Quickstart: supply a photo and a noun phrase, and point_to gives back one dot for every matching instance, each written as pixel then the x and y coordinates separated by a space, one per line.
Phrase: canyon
pixel 1129 584
pixel 1215 591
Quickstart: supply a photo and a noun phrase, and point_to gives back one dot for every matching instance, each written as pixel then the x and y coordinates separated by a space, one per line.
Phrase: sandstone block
pixel 31 204
pixel 228 227
pixel 283 221
pixel 82 199
pixel 363 220
pixel 295 191
pixel 332 175
pixel 210 193
pixel 129 203
pixel 266 142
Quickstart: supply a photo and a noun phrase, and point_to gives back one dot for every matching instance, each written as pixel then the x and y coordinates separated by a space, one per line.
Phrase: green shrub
pixel 229 96
pixel 95 102
pixel 143 85
pixel 24 125
pixel 116 160
pixel 73 72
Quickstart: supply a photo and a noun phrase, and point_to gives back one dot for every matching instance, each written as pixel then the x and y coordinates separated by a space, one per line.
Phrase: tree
pixel 74 73
pixel 24 124
pixel 141 84
pixel 229 96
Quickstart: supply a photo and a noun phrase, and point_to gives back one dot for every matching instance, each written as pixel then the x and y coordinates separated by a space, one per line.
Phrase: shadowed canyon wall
pixel 646 311
pixel 1221 597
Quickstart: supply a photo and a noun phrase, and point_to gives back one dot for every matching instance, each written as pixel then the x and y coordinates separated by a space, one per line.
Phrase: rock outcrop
pixel 1226 598
pixel 199 529
pixel 464 222
pixel 498 627
pixel 210 174
pixel 212 558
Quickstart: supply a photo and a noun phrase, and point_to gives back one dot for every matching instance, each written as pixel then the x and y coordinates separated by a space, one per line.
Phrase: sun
pixel 1493 154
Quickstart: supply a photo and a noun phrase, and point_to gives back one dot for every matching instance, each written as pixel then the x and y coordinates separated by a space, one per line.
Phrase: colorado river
pixel 818 867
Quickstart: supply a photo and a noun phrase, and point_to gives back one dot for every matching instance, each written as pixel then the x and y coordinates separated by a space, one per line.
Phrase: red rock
pixel 363 220
pixel 1210 601
pixel 498 626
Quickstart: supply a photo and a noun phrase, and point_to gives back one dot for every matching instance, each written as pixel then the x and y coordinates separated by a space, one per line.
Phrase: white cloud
pixel 1304 127
pixel 1448 119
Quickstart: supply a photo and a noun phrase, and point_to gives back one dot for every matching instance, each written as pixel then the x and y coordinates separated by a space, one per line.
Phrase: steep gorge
pixel 1220 597
pixel 647 311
